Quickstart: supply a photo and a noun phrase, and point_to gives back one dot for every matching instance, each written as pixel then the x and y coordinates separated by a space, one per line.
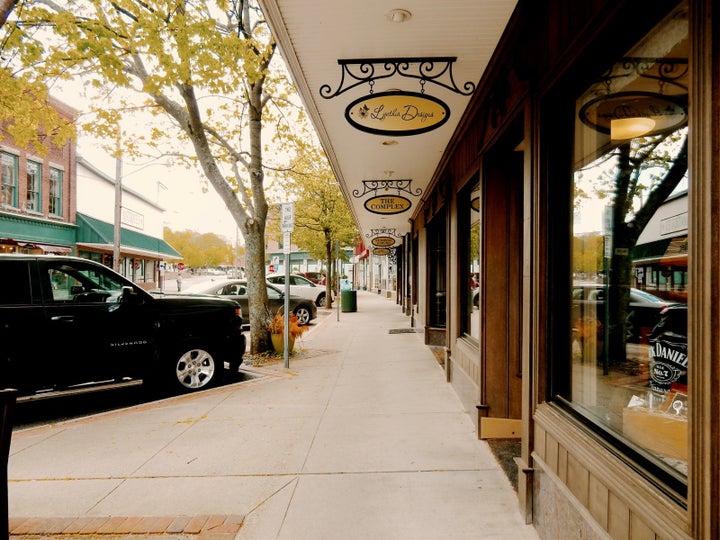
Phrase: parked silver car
pixel 300 286
pixel 236 289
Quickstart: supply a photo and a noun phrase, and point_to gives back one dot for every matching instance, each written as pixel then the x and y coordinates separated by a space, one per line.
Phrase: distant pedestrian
pixel 179 282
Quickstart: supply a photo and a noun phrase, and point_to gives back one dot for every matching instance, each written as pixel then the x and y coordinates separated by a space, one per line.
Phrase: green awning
pixel 661 251
pixel 96 234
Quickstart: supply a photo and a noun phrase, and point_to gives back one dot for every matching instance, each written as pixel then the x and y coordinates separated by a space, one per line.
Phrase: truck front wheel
pixel 195 369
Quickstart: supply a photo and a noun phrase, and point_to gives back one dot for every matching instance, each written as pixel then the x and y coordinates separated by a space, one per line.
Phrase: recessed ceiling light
pixel 398 15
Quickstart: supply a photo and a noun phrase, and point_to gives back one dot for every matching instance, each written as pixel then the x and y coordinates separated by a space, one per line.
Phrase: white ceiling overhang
pixel 379 160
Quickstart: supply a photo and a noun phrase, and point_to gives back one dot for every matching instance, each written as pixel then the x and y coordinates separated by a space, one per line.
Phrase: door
pixel 96 334
pixel 22 329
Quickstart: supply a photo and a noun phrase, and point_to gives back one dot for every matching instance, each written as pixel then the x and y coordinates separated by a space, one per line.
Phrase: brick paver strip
pixel 196 524
pixel 178 525
pixel 161 524
pixel 213 521
pixel 15 523
pixel 75 526
pixel 25 526
pixel 143 525
pixel 115 525
pixel 56 525
pixel 203 527
pixel 93 524
pixel 235 519
pixel 225 528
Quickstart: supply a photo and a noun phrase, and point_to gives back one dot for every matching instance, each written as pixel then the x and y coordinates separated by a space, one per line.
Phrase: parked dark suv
pixel 69 324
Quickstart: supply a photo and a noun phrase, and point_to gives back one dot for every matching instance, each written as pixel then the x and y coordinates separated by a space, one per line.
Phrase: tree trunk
pixel 6 7
pixel 254 235
pixel 618 296
pixel 625 235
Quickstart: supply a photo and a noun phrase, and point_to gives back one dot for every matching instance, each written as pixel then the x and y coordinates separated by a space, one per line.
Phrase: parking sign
pixel 287 221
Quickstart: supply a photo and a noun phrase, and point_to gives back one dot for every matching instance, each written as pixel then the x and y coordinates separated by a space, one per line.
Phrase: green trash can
pixel 348 300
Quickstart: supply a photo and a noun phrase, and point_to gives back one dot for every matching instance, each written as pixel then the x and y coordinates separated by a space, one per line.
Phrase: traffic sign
pixel 287 220
pixel 286 242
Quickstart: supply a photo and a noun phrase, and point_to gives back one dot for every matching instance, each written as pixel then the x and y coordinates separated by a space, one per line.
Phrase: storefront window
pixel 436 270
pixel 8 188
pixel 469 234
pixel 56 187
pixel 34 181
pixel 628 334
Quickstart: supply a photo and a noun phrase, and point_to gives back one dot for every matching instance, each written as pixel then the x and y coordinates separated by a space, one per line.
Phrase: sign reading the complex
pixel 381 251
pixel 397 113
pixel 387 204
pixel 383 241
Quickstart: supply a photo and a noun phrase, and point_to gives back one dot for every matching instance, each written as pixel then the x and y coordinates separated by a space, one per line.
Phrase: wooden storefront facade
pixel 514 153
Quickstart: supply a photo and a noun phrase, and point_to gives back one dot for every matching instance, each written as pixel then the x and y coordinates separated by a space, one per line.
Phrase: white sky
pixel 187 205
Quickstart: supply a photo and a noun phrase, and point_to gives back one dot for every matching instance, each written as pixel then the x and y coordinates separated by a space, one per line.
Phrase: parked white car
pixel 300 286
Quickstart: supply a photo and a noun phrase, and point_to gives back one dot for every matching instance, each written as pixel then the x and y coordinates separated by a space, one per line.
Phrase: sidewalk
pixel 360 438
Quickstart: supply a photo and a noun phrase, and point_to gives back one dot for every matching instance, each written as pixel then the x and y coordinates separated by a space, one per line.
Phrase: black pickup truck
pixel 71 325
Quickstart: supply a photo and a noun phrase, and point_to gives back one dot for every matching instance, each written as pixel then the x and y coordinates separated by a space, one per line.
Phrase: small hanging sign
pixel 387 204
pixel 383 241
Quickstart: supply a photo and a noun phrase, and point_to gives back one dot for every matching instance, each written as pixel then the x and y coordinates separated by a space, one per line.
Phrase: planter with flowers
pixel 276 326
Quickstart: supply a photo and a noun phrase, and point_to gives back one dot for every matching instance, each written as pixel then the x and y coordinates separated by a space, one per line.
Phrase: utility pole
pixel 118 210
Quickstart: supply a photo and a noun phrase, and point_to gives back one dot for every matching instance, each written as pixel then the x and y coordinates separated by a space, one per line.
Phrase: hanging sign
pixel 661 114
pixel 387 204
pixel 383 241
pixel 381 251
pixel 397 113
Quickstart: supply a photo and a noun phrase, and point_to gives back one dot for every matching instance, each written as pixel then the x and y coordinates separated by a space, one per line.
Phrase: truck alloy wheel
pixel 195 369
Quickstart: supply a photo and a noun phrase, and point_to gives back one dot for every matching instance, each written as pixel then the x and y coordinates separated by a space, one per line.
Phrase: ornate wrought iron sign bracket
pixel 373 186
pixel 384 231
pixel 387 203
pixel 437 70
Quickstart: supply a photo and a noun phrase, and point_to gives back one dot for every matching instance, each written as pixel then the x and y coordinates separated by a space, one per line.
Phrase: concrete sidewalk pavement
pixel 360 438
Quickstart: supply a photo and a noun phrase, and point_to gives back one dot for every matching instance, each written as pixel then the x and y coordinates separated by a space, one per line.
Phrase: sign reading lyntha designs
pixel 397 113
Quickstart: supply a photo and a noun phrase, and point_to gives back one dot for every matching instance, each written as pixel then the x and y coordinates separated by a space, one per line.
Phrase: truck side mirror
pixel 128 295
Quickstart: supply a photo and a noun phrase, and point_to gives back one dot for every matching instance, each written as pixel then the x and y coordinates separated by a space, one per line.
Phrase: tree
pixel 6 6
pixel 646 167
pixel 26 112
pixel 322 216
pixel 205 70
pixel 200 250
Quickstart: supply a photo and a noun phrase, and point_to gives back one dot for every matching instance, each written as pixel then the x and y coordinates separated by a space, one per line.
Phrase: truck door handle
pixel 63 318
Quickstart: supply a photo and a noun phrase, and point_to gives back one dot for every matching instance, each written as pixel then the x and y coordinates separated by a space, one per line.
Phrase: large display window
pixel 469 243
pixel 627 334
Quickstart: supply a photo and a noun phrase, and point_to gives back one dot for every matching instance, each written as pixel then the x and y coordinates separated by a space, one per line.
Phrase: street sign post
pixel 287 224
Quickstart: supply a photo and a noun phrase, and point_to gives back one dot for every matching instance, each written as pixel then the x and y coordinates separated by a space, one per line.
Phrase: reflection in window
pixel 628 332
pixel 83 284
pixel 470 232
